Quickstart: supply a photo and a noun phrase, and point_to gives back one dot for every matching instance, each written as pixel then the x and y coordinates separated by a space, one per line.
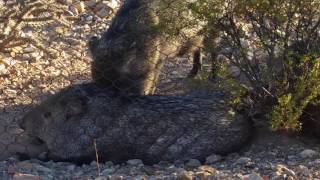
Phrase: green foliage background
pixel 286 31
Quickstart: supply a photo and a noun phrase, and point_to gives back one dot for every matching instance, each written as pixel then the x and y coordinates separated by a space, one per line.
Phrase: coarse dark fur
pixel 130 55
pixel 151 128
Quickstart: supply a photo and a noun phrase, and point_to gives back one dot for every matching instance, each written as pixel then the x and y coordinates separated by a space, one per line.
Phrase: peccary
pixel 130 54
pixel 151 128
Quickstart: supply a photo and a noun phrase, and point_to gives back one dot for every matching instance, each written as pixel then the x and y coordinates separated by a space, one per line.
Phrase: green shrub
pixel 287 34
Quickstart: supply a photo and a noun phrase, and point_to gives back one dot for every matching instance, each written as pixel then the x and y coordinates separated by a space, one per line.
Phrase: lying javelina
pixel 129 56
pixel 151 128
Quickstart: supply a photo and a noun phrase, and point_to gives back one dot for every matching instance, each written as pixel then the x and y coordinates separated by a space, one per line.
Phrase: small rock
pixel 93 163
pixel 203 175
pixel 134 162
pixel 113 4
pixel 275 175
pixel 308 153
pixel 79 6
pixel 291 163
pixel 89 18
pixel 65 2
pixel 253 176
pixel 184 175
pixel 104 12
pixel 18 176
pixel 3 69
pixel 79 173
pixel 72 11
pixel 25 165
pixel 117 177
pixel 303 170
pixel 207 169
pixel 86 27
pixel 193 163
pixel 213 159
pixel 282 169
pixel 315 162
pixel 90 3
pixel 43 156
pixel 101 178
pixel 10 93
pixel 109 163
pixel 290 157
pixel 43 169
pixel 28 49
pixel 17 49
pixel 243 160
pixel 108 171
pixel 71 167
pixel 36 56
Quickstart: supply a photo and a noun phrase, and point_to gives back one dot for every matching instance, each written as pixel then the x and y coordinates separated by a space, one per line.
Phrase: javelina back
pixel 151 128
pixel 129 55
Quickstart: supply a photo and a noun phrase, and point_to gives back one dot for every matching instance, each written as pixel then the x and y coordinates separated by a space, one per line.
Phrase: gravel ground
pixel 270 156
pixel 28 77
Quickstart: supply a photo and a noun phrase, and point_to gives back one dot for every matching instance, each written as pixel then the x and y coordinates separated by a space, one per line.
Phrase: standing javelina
pixel 151 128
pixel 129 56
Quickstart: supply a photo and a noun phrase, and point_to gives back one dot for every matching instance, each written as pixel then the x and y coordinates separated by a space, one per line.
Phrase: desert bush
pixel 276 46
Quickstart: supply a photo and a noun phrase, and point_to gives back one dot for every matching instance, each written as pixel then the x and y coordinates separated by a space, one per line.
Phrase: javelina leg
pixel 197 63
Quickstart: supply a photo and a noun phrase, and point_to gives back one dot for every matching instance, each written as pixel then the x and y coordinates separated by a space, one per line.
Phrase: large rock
pixel 150 128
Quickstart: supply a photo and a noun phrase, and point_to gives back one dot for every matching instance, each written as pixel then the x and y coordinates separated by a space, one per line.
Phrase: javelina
pixel 129 55
pixel 151 128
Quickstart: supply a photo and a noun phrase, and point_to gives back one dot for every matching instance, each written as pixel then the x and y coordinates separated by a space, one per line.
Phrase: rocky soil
pixel 28 75
pixel 270 156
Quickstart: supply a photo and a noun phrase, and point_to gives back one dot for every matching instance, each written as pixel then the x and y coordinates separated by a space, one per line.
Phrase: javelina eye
pixel 47 114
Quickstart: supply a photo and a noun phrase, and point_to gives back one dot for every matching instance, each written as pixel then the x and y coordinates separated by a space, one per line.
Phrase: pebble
pixel 315 162
pixel 213 159
pixel 193 163
pixel 91 3
pixel 71 167
pixel 184 175
pixel 283 169
pixel 108 171
pixel 43 169
pixel 308 153
pixel 243 160
pixel 77 7
pixel 108 163
pixel 113 4
pixel 19 176
pixel 100 178
pixel 253 176
pixel 104 12
pixel 134 162
pixel 207 169
pixel 65 2
pixel 303 170
pixel 291 163
pixel 3 69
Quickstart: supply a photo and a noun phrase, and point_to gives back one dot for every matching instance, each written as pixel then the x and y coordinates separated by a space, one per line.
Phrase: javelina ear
pixel 76 106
